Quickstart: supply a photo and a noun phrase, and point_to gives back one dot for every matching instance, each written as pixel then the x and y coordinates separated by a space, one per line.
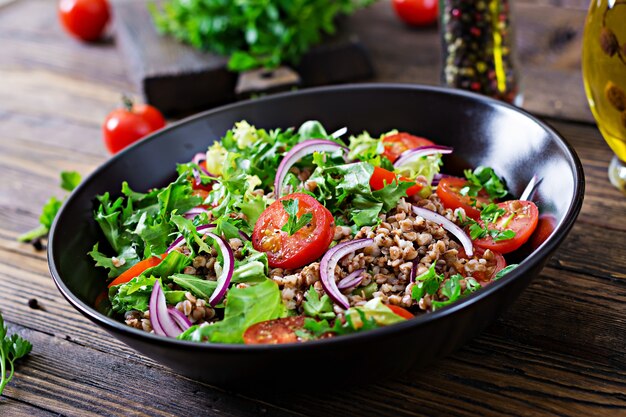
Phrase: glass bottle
pixel 604 75
pixel 478 48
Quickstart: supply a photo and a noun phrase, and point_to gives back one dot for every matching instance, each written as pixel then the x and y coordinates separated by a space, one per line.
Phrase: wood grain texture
pixel 559 350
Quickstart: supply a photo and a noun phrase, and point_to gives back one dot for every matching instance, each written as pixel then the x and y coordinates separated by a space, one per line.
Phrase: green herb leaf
pixel 70 180
pixel 317 307
pixel 294 223
pixel 505 271
pixel 484 178
pixel 12 348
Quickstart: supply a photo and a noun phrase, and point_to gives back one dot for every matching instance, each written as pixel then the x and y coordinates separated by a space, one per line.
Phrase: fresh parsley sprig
pixel 12 348
pixel 69 181
pixel 483 178
pixel 316 306
pixel 294 223
pixel 490 214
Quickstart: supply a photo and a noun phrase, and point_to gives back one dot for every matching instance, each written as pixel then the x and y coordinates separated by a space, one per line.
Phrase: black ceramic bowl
pixel 482 132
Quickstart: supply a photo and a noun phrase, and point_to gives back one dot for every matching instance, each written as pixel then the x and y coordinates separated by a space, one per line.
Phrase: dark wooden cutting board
pixel 179 80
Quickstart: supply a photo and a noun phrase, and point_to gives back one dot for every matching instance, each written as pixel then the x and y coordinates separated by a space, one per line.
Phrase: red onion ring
pixel 531 188
pixel 351 280
pixel 412 154
pixel 448 225
pixel 190 214
pixel 180 319
pixel 328 264
pixel 198 159
pixel 223 281
pixel 160 319
pixel 298 152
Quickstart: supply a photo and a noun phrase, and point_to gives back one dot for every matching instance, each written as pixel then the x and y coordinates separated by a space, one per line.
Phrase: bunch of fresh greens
pixel 12 348
pixel 263 33
pixel 69 181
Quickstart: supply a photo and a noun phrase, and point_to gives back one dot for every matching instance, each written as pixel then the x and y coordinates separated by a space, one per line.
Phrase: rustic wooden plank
pixel 16 408
pixel 86 382
pixel 32 38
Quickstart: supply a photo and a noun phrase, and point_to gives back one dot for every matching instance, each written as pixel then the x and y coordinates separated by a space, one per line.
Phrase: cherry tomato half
pixel 273 332
pixel 545 226
pixel 137 269
pixel 417 12
pixel 381 177
pixel 398 143
pixel 521 217
pixel 125 126
pixel 494 266
pixel 399 311
pixel 305 245
pixel 84 19
pixel 449 191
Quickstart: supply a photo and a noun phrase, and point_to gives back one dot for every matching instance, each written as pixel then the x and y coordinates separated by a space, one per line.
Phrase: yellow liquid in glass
pixel 604 70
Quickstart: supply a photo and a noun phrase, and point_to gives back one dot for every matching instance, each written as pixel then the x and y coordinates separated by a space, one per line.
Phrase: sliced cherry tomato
pixel 521 217
pixel 125 126
pixel 200 192
pixel 399 311
pixel 381 177
pixel 273 332
pixel 398 143
pixel 305 245
pixel 494 266
pixel 417 12
pixel 545 226
pixel 84 19
pixel 449 191
pixel 137 269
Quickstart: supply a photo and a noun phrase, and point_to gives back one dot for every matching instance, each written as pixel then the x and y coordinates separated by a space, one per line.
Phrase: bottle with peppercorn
pixel 604 75
pixel 478 50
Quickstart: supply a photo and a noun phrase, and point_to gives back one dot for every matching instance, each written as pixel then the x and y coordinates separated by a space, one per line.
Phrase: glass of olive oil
pixel 604 73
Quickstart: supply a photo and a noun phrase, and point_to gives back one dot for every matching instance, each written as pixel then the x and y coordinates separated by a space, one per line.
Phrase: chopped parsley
pixel 426 283
pixel 294 223
pixel 505 271
pixel 12 348
pixel 483 178
pixel 317 307
pixel 490 214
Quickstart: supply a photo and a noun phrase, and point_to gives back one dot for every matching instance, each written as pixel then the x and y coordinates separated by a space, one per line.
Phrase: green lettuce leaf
pixel 244 307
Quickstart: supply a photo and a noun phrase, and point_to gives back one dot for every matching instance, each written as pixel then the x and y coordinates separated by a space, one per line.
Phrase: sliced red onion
pixel 160 319
pixel 414 271
pixel 190 214
pixel 181 239
pixel 339 133
pixel 531 188
pixel 448 225
pixel 196 177
pixel 298 152
pixel 413 154
pixel 223 281
pixel 180 319
pixel 351 280
pixel 198 159
pixel 328 264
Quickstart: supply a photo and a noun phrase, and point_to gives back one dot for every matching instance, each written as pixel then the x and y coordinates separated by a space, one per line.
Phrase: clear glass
pixel 604 74
pixel 478 39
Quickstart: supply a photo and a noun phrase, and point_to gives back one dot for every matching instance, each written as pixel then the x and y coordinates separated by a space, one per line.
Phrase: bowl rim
pixel 541 253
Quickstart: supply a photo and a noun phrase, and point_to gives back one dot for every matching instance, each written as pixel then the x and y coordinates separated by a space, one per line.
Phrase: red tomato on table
pixel 417 12
pixel 84 19
pixel 521 217
pixel 125 126
pixel 303 247
pixel 398 143
pixel 449 191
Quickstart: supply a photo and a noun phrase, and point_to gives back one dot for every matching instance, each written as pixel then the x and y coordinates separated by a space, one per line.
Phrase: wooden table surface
pixel 559 350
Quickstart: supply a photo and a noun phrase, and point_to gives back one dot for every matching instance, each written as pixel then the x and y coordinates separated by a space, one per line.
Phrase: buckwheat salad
pixel 287 236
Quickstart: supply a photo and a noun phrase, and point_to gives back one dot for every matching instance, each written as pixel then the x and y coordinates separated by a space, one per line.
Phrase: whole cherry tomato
pixel 84 19
pixel 125 126
pixel 417 12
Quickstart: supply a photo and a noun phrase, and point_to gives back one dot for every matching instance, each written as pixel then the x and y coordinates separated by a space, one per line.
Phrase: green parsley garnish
pixel 426 283
pixel 69 181
pixel 317 307
pixel 490 214
pixel 505 271
pixel 294 223
pixel 483 178
pixel 12 348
